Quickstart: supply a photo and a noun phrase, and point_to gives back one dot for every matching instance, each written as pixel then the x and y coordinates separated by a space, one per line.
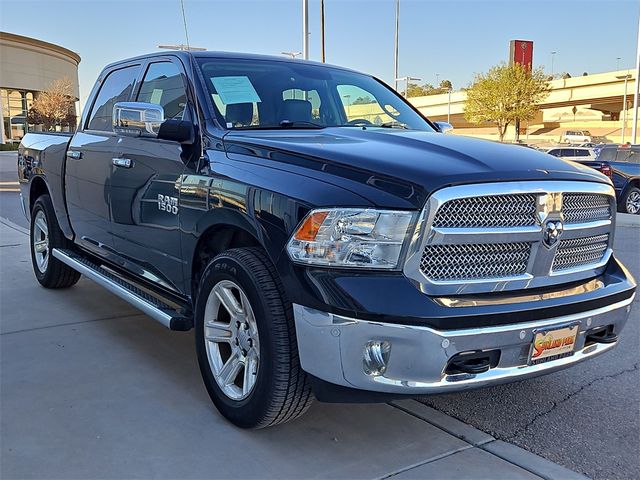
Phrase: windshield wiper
pixel 299 123
pixel 282 125
pixel 393 125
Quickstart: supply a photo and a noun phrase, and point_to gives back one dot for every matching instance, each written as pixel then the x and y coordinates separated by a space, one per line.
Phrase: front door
pixel 145 183
pixel 88 165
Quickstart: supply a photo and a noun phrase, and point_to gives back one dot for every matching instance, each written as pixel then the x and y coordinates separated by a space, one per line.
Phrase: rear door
pixel 88 166
pixel 146 182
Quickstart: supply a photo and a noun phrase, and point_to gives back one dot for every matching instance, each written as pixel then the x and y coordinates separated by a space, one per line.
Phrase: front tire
pixel 246 344
pixel 631 201
pixel 45 235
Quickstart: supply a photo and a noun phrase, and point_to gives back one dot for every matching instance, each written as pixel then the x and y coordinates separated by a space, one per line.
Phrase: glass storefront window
pixel 15 105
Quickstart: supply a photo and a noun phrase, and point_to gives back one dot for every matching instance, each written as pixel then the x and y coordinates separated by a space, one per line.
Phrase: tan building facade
pixel 27 67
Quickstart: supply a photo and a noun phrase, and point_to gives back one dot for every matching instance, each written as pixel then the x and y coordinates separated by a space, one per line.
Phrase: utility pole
pixel 322 29
pixel 305 29
pixel 395 56
pixel 634 129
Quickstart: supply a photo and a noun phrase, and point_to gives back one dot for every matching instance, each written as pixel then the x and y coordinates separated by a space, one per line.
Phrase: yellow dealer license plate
pixel 553 344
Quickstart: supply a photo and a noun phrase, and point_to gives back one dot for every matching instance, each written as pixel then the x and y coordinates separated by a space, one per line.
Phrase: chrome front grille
pixel 469 262
pixel 585 207
pixel 490 211
pixel 578 252
pixel 508 236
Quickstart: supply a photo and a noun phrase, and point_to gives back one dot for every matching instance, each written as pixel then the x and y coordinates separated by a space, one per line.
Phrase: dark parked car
pixel 621 163
pixel 317 252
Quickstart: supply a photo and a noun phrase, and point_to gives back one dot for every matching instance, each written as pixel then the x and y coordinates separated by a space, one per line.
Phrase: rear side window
pixel 115 88
pixel 582 153
pixel 163 85
pixel 568 152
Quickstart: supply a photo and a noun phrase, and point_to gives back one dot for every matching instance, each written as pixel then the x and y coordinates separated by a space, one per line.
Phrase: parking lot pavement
pixel 93 389
pixel 587 417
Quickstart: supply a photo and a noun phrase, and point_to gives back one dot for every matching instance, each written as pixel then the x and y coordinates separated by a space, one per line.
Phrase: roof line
pixel 40 43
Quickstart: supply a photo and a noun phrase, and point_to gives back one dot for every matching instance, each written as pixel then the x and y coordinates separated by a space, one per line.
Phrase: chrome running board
pixel 151 305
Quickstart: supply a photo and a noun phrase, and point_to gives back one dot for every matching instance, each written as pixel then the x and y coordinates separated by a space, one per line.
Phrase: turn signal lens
pixel 309 228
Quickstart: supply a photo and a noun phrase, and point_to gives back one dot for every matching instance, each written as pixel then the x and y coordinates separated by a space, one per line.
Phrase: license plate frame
pixel 553 343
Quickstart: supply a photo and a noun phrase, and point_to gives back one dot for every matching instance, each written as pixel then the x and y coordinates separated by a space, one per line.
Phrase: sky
pixel 445 39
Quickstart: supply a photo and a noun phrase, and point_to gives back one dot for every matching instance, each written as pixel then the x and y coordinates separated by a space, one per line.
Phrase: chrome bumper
pixel 331 347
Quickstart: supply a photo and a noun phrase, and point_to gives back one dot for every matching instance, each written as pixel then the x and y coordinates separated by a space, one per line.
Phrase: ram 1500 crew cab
pixel 318 246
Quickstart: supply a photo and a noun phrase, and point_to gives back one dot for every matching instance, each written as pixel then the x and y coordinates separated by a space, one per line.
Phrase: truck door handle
pixel 74 154
pixel 122 162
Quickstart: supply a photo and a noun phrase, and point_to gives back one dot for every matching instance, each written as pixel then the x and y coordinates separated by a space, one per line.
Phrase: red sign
pixel 521 52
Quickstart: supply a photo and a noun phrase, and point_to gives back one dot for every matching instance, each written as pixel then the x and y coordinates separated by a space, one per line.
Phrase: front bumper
pixel 331 347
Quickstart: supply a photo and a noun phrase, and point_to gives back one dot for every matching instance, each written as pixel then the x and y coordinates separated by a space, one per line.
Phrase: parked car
pixel 573 153
pixel 577 136
pixel 314 252
pixel 621 163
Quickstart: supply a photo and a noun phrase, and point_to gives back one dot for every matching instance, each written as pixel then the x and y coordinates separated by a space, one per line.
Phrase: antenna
pixel 193 75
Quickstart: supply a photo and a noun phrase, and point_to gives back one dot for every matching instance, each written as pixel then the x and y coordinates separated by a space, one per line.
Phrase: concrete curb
pixel 510 453
pixel 14 226
pixel 627 220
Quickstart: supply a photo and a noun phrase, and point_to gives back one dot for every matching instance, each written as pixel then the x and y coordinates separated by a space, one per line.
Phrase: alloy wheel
pixel 231 340
pixel 40 241
pixel 633 203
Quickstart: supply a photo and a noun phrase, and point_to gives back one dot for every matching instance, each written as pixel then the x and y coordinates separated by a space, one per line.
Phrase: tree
pixel 416 90
pixel 363 100
pixel 504 95
pixel 446 85
pixel 54 107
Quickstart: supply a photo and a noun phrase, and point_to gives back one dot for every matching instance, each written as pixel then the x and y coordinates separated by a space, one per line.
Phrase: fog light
pixel 376 357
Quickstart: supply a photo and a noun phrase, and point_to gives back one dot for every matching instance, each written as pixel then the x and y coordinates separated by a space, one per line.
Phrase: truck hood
pixel 399 168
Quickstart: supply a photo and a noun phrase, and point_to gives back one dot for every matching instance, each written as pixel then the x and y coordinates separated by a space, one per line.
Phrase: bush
pixel 9 147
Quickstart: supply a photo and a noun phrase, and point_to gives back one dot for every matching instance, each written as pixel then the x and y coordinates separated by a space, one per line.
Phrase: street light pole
pixel 449 107
pixel 618 63
pixel 291 54
pixel 395 55
pixel 634 130
pixel 406 85
pixel 553 55
pixel 305 29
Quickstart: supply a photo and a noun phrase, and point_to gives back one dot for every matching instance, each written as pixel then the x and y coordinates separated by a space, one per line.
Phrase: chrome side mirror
pixel 137 119
pixel 444 127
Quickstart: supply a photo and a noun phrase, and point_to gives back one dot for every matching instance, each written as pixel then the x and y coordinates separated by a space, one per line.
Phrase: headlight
pixel 351 237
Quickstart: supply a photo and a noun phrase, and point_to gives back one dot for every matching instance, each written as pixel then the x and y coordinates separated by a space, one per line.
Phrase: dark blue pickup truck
pixel 621 163
pixel 320 248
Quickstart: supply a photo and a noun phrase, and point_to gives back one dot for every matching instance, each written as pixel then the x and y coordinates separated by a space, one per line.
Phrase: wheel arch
pixel 37 188
pixel 232 231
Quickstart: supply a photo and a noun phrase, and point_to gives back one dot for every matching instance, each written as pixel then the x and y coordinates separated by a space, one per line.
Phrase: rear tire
pixel 631 201
pixel 249 322
pixel 45 235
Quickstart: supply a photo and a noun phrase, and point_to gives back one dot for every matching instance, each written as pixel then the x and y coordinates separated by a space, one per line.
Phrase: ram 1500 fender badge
pixel 168 204
pixel 552 231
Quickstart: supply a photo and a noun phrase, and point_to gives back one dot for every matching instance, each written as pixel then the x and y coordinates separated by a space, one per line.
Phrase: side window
pixel 568 152
pixel 163 85
pixel 360 104
pixel 115 88
pixel 582 153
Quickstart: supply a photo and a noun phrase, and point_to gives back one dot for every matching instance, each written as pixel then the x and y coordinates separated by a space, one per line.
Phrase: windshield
pixel 264 94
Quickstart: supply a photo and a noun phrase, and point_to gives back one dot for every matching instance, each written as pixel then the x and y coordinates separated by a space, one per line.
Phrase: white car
pixel 577 136
pixel 577 154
